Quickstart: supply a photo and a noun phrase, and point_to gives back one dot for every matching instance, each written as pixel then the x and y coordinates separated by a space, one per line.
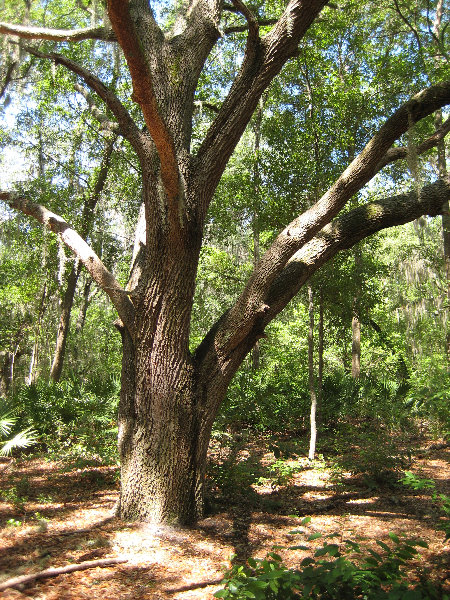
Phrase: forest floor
pixel 54 515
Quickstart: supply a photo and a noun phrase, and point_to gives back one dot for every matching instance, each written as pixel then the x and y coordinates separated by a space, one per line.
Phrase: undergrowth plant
pixel 344 571
pixel 442 500
pixel 22 439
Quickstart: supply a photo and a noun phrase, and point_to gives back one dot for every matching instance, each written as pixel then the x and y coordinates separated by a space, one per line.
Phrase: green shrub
pixel 73 418
pixel 336 572
pixel 378 455
pixel 441 500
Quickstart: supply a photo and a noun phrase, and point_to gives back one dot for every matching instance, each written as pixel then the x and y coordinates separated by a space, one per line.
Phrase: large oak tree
pixel 170 396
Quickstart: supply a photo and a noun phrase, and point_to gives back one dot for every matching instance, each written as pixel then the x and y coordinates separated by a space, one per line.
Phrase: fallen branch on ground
pixel 55 571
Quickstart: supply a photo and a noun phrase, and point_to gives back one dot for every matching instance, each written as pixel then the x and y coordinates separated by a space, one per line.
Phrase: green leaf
pixel 356 547
pixel 298 548
pixel 234 587
pixel 221 594
pixel 25 438
pixel 314 536
pixel 305 520
pixel 383 545
pixel 421 543
pixel 275 556
pixel 375 554
pixel 394 537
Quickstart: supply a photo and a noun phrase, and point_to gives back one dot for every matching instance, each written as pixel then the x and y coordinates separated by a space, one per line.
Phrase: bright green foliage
pixel 345 571
pixel 73 419
pixel 442 500
pixel 23 439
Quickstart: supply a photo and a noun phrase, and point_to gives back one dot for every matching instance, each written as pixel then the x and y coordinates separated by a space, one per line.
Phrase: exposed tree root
pixel 54 572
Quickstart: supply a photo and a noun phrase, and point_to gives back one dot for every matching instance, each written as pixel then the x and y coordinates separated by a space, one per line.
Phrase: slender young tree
pixel 311 377
pixel 170 396
pixel 89 205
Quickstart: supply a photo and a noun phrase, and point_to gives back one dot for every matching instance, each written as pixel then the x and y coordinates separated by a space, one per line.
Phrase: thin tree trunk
pixel 6 372
pixel 256 353
pixel 87 220
pixel 312 389
pixel 356 322
pixel 356 342
pixel 64 323
pixel 84 305
pixel 320 358
pixel 35 352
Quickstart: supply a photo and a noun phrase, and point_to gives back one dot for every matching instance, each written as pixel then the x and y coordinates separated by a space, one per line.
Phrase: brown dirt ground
pixel 185 564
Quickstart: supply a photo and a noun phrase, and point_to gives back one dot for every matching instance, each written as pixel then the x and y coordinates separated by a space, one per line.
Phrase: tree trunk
pixel 35 352
pixel 356 342
pixel 312 387
pixel 164 429
pixel 64 324
pixel 442 169
pixel 6 371
pixel 163 437
pixel 320 359
pixel 256 353
pixel 356 322
pixel 84 305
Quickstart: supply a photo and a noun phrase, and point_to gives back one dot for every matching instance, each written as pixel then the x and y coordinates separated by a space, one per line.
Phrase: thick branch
pixel 394 154
pixel 241 317
pixel 128 127
pixel 252 23
pixel 144 93
pixel 104 278
pixel 343 233
pixel 264 59
pixel 58 35
pixel 349 229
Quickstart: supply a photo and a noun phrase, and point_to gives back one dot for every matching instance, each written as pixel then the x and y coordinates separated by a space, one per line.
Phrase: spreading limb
pixel 100 274
pixel 58 35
